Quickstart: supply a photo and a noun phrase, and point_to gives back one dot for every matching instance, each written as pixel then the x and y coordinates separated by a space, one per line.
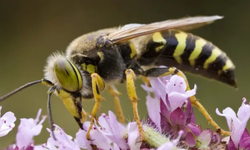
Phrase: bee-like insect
pixel 100 59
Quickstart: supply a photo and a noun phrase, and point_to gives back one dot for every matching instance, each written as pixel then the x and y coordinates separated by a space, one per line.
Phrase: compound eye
pixel 68 75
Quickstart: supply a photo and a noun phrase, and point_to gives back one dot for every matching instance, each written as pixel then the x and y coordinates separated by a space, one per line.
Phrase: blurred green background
pixel 30 31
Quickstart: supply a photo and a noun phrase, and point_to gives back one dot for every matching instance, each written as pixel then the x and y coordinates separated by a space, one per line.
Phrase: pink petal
pixel 133 136
pixel 190 140
pixel 117 131
pixel 178 117
pixel 176 100
pixel 243 112
pixel 7 123
pixel 63 141
pixel 229 114
pixel 9 118
pixel 81 140
pixel 176 84
pixel 230 145
pixel 153 107
pixel 196 130
pixel 97 137
pixel 244 143
pixel 205 138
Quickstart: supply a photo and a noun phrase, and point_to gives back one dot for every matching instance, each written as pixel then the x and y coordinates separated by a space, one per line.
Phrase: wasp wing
pixel 131 31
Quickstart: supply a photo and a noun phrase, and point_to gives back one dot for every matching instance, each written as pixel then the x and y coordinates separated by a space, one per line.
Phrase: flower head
pixel 27 129
pixel 6 122
pixel 237 123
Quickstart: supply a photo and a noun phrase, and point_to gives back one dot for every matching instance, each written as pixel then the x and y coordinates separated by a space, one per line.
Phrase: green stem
pixel 154 138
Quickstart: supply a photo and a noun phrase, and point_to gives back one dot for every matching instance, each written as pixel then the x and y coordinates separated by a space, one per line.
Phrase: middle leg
pixel 133 97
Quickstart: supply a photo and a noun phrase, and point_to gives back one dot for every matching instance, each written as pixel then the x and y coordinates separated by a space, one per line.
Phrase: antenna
pixel 43 81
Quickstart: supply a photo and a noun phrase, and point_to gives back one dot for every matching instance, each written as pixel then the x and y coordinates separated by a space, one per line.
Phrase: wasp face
pixel 63 73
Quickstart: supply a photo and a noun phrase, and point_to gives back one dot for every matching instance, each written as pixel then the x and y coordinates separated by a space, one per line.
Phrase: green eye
pixel 68 75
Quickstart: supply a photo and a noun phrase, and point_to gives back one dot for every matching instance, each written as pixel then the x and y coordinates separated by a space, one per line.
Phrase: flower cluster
pixel 170 125
pixel 172 112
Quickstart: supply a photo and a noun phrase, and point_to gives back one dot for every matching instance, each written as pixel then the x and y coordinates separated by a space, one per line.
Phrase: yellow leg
pixel 133 97
pixel 210 120
pixel 194 101
pixel 113 91
pixel 146 80
pixel 97 86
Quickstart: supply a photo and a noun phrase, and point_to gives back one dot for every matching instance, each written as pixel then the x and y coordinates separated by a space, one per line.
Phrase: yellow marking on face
pixel 100 54
pixel 199 43
pixel 133 50
pixel 157 38
pixel 179 50
pixel 90 68
pixel 215 53
pixel 229 64
pixel 68 101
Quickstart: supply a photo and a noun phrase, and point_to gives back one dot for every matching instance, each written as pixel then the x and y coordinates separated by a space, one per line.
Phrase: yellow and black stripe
pixel 188 53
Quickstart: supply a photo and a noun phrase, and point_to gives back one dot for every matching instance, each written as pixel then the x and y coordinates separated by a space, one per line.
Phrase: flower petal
pixel 98 138
pixel 190 140
pixel 243 112
pixel 196 130
pixel 81 140
pixel 244 143
pixel 7 123
pixel 153 107
pixel 205 138
pixel 178 117
pixel 230 145
pixel 176 84
pixel 117 131
pixel 27 129
pixel 63 140
pixel 133 136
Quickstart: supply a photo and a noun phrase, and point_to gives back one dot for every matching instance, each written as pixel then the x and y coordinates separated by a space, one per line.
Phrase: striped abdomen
pixel 190 53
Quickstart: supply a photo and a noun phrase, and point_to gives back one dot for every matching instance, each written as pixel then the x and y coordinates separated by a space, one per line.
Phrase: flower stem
pixel 154 138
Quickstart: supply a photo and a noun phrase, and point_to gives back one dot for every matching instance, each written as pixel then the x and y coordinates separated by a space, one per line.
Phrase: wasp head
pixel 63 73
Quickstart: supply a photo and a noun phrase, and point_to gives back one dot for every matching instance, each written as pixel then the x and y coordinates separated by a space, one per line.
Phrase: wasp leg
pixel 113 91
pixel 160 72
pixel 146 80
pixel 133 97
pixel 97 86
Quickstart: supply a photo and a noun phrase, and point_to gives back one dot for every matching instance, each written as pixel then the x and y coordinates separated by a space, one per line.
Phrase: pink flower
pixel 107 136
pixel 6 122
pixel 237 124
pixel 172 91
pixel 177 94
pixel 63 141
pixel 27 129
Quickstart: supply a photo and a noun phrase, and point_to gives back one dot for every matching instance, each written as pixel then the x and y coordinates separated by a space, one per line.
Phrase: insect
pixel 100 59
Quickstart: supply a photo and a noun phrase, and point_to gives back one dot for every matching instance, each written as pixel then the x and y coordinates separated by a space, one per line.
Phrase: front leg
pixel 97 86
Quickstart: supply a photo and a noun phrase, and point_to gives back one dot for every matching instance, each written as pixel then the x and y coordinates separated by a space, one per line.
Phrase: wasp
pixel 98 60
